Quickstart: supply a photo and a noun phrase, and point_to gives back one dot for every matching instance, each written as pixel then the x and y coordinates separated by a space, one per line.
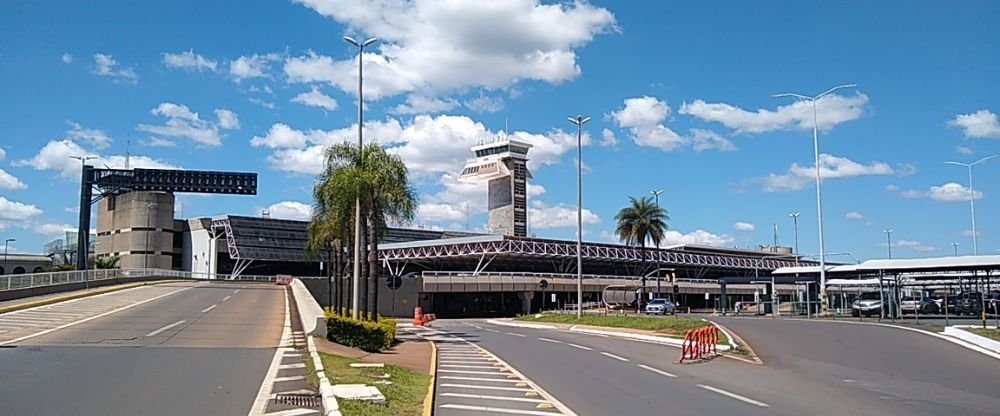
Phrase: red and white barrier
pixel 699 343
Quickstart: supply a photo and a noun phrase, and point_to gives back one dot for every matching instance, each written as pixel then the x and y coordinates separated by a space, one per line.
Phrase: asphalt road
pixel 195 348
pixel 601 376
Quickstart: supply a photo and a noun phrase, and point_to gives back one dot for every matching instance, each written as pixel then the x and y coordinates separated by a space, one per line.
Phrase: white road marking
pixel 480 361
pixel 488 367
pixel 226 298
pixel 264 393
pixel 491 330
pixel 501 380
pixel 496 410
pixel 608 354
pixel 516 334
pixel 477 327
pixel 131 305
pixel 483 397
pixel 236 291
pixel 580 347
pixel 478 387
pixel 554 341
pixel 209 308
pixel 472 372
pixel 289 378
pixel 293 412
pixel 288 366
pixel 154 333
pixel 734 396
pixel 657 371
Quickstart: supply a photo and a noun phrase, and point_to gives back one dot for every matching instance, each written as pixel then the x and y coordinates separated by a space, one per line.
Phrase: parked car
pixel 970 303
pixel 952 307
pixel 917 304
pixel 868 304
pixel 660 306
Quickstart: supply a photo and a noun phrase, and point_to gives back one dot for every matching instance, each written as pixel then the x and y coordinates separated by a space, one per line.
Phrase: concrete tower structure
pixel 130 222
pixel 502 165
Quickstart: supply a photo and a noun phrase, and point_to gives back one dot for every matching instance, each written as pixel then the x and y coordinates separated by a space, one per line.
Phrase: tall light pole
pixel 825 310
pixel 656 196
pixel 356 281
pixel 795 222
pixel 956 248
pixel 5 243
pixel 579 121
pixel 83 231
pixel 972 198
pixel 145 258
pixel 888 240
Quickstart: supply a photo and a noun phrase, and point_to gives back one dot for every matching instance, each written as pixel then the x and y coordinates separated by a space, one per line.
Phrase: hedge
pixel 367 335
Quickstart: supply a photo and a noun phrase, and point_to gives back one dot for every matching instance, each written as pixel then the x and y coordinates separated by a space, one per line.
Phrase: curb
pixel 639 337
pixel 518 325
pixel 970 337
pixel 429 399
pixel 734 341
pixel 95 292
pixel 330 406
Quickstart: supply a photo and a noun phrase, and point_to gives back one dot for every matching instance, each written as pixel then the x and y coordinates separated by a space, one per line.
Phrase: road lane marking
pixel 657 371
pixel 209 308
pixel 554 341
pixel 580 347
pixel 484 397
pixel 477 327
pixel 478 387
pixel 501 380
pixel 154 333
pixel 466 366
pixel 491 373
pixel 491 330
pixel 236 291
pixel 290 366
pixel 734 396
pixel 608 354
pixel 289 378
pixel 226 298
pixel 131 305
pixel 293 412
pixel 516 334
pixel 496 410
pixel 266 386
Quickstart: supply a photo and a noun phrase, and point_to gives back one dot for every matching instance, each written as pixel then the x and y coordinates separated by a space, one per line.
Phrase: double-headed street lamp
pixel 356 282
pixel 579 121
pixel 795 222
pixel 955 245
pixel 972 197
pixel 819 196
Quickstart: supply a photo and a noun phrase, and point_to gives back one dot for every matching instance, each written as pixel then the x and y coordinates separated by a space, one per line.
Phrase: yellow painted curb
pixel 429 399
pixel 95 292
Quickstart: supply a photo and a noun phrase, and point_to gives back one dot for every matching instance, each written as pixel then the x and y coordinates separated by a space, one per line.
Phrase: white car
pixel 660 306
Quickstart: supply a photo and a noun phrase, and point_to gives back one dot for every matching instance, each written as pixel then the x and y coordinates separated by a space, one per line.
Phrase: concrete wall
pixel 19 264
pixel 142 235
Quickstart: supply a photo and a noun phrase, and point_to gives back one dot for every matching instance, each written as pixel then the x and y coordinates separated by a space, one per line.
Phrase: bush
pixel 367 335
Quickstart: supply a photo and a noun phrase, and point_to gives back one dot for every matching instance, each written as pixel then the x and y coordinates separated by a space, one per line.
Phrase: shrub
pixel 367 335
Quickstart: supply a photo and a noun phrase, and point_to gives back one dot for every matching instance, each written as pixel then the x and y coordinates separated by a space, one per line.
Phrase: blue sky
pixel 680 95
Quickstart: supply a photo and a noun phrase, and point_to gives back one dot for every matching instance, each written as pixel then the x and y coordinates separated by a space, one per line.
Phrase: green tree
pixel 380 181
pixel 640 221
pixel 105 262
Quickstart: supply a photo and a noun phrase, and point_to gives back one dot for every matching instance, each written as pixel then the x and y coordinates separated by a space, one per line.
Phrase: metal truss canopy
pixel 528 247
pixel 114 181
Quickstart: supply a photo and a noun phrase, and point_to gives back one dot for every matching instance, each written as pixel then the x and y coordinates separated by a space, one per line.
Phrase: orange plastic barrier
pixel 418 316
pixel 699 343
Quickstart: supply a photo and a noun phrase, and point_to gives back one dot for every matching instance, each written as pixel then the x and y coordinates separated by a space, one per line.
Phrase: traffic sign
pixel 543 284
pixel 393 282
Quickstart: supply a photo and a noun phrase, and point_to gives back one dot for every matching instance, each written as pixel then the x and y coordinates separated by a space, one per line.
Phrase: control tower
pixel 502 165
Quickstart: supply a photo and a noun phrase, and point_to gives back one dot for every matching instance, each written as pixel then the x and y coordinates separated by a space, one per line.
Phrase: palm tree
pixel 381 184
pixel 106 262
pixel 326 232
pixel 641 221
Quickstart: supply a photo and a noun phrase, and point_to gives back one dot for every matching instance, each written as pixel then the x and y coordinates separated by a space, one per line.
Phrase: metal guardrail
pixel 33 280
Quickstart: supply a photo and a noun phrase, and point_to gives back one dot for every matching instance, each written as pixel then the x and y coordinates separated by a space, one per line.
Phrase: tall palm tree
pixel 326 232
pixel 377 179
pixel 640 221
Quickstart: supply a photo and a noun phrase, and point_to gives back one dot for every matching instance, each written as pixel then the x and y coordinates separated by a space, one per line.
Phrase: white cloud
pixel 892 188
pixel 95 137
pixel 643 117
pixel 290 210
pixel 188 60
pixel 708 140
pixel 427 105
pixel 67 58
pixel 485 104
pixel 980 125
pixel 830 110
pixel 440 212
pixel 435 47
pixel 51 229
pixel 963 150
pixel 608 138
pixel 831 167
pixel 105 66
pixel 55 155
pixel 17 211
pixel 969 233
pixel 744 226
pixel 915 246
pixel 158 142
pixel 535 189
pixel 854 215
pixel 558 216
pixel 10 182
pixel 702 237
pixel 252 66
pixel 315 98
pixel 952 192
pixel 3 154
pixel 184 123
pixel 262 103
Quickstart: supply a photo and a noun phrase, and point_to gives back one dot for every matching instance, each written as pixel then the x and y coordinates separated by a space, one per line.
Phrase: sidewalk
pixel 410 352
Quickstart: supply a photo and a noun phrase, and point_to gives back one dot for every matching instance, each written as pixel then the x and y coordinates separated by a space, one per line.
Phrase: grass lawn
pixel 404 397
pixel 673 327
pixel 991 333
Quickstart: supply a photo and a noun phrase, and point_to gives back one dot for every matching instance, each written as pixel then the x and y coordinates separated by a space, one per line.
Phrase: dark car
pixel 952 308
pixel 918 304
pixel 970 303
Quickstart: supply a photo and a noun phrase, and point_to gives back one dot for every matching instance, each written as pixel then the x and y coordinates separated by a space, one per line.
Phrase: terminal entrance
pixel 475 304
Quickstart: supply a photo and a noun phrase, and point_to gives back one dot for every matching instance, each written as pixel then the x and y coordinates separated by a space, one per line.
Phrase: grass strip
pixel 991 333
pixel 669 326
pixel 404 397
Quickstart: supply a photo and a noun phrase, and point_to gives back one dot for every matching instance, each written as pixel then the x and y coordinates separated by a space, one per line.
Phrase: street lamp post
pixel 888 240
pixel 356 281
pixel 795 221
pixel 656 196
pixel 579 121
pixel 972 198
pixel 5 243
pixel 825 310
pixel 956 248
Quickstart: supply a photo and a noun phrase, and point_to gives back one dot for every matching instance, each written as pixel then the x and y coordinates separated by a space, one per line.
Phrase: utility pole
pixel 972 198
pixel 795 222
pixel 955 245
pixel 5 244
pixel 888 240
pixel 656 196
pixel 83 231
pixel 579 121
